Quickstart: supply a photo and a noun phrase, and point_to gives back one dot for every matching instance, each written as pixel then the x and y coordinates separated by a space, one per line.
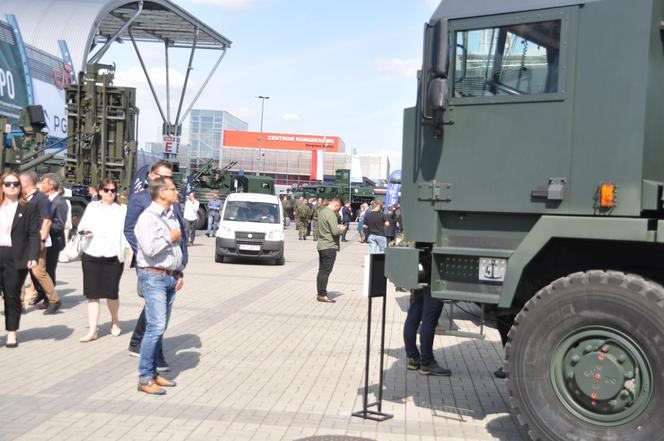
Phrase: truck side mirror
pixel 440 46
pixel 437 99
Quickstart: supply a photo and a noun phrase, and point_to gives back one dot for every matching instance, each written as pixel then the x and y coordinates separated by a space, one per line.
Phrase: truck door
pixel 507 138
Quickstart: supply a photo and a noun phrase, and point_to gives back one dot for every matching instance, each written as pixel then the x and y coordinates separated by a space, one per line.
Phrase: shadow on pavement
pixel 56 332
pixel 180 358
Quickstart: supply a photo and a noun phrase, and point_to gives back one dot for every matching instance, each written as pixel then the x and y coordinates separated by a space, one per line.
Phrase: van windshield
pixel 244 211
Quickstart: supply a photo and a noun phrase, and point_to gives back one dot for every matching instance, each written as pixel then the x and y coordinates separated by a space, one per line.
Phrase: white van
pixel 251 226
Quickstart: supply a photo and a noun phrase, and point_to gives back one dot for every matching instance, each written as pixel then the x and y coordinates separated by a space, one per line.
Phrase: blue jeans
pixel 377 244
pixel 212 222
pixel 159 293
pixel 426 310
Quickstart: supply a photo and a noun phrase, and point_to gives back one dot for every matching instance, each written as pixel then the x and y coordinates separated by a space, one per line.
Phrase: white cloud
pixel 227 4
pixel 397 66
pixel 290 117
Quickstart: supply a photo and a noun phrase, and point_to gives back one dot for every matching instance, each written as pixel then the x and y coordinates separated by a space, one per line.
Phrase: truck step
pixel 465 296
pixel 464 334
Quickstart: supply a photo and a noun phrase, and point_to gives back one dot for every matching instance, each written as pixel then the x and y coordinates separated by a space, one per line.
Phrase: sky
pixel 339 68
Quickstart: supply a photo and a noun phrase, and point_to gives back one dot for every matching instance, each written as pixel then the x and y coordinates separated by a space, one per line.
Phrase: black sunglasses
pixel 109 190
pixel 14 184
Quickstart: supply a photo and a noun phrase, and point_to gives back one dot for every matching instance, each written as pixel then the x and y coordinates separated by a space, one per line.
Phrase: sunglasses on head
pixel 109 190
pixel 15 184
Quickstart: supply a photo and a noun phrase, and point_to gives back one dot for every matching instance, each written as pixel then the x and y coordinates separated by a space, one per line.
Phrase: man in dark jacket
pixel 50 185
pixel 346 218
pixel 138 202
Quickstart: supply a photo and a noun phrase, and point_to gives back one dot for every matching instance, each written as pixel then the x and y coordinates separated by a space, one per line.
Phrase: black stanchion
pixel 375 285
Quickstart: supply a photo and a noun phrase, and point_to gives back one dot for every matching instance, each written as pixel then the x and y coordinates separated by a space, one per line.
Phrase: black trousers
pixel 11 280
pixel 343 235
pixel 424 311
pixel 326 260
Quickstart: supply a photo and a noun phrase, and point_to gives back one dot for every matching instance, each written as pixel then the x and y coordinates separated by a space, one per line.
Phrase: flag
pixel 317 165
pixel 138 182
pixel 355 168
pixel 189 187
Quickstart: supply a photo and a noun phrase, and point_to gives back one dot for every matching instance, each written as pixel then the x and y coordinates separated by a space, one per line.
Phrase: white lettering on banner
pixel 300 139
pixel 7 84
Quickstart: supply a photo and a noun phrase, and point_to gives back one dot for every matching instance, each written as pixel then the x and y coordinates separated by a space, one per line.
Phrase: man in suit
pixel 50 185
pixel 346 218
pixel 43 208
pixel 138 202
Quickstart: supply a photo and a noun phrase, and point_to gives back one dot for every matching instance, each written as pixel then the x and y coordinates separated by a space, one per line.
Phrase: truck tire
pixel 201 222
pixel 584 359
pixel 219 258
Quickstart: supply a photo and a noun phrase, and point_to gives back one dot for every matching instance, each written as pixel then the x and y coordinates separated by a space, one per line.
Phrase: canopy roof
pixel 86 24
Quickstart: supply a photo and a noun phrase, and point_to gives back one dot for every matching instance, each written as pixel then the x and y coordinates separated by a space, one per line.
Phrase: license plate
pixel 250 247
pixel 492 270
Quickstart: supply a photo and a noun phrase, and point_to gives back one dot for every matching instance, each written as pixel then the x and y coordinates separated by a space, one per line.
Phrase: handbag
pixel 74 247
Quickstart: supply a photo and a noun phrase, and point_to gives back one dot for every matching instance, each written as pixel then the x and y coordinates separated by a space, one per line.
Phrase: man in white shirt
pixel 191 216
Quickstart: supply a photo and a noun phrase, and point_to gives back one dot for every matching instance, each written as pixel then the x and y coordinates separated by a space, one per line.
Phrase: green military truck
pixel 356 193
pixel 533 186
pixel 210 180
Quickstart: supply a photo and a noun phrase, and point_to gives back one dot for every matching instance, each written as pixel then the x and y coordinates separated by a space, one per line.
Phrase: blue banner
pixel 393 188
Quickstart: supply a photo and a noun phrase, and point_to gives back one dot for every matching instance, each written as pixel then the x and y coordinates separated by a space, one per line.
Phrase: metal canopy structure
pixel 90 27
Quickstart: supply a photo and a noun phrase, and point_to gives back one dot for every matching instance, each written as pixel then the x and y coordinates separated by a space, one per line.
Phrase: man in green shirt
pixel 329 232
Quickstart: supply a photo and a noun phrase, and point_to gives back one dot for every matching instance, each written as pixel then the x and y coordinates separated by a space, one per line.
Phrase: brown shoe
pixel 150 387
pixel 325 299
pixel 163 381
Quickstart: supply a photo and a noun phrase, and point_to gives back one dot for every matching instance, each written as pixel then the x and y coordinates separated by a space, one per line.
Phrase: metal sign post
pixel 375 285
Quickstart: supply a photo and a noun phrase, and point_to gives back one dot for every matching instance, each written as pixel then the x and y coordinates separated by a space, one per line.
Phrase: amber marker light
pixel 607 195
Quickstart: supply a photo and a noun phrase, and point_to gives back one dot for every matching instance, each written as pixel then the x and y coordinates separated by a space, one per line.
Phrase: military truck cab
pixel 532 185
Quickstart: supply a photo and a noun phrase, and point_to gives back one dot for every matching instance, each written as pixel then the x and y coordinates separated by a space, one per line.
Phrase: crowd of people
pixel 381 229
pixel 35 221
pixel 34 224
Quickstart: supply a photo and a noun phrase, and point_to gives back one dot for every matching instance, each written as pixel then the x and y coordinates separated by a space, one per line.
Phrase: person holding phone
pixel 103 256
pixel 19 249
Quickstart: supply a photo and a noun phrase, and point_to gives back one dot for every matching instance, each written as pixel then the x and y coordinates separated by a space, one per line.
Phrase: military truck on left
pixel 101 141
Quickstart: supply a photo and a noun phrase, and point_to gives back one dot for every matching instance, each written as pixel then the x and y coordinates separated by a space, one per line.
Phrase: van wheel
pixel 219 258
pixel 584 359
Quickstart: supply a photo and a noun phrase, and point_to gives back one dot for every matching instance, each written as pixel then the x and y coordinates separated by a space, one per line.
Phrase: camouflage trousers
pixel 314 228
pixel 301 228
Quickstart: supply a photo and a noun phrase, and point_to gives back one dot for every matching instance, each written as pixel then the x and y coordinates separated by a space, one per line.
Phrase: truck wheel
pixel 201 223
pixel 219 258
pixel 584 359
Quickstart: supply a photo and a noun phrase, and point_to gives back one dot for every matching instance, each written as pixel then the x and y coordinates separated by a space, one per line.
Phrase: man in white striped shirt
pixel 160 266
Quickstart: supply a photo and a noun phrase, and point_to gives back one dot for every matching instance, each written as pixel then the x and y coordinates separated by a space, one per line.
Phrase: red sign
pixel 171 144
pixel 281 141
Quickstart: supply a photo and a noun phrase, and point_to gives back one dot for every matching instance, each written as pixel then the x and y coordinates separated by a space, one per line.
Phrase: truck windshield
pixel 244 211
pixel 520 59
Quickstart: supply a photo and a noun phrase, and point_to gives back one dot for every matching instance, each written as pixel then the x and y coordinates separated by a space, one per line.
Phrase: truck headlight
pixel 225 233
pixel 277 235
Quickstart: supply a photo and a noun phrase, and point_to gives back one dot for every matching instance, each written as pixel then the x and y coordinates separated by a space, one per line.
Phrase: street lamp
pixel 260 138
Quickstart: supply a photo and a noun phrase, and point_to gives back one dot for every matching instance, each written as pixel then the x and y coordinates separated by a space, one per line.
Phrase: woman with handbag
pixel 103 253
pixel 19 249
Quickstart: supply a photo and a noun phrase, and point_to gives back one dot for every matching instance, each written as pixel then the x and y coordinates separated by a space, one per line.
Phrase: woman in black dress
pixel 103 256
pixel 19 249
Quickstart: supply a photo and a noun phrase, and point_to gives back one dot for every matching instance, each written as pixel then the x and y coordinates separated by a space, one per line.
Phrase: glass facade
pixel 206 131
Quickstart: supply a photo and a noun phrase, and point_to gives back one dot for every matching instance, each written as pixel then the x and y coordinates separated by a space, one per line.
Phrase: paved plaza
pixel 255 358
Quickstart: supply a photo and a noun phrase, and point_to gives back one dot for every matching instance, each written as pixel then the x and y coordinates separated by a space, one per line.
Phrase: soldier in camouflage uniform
pixel 302 215
pixel 314 217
